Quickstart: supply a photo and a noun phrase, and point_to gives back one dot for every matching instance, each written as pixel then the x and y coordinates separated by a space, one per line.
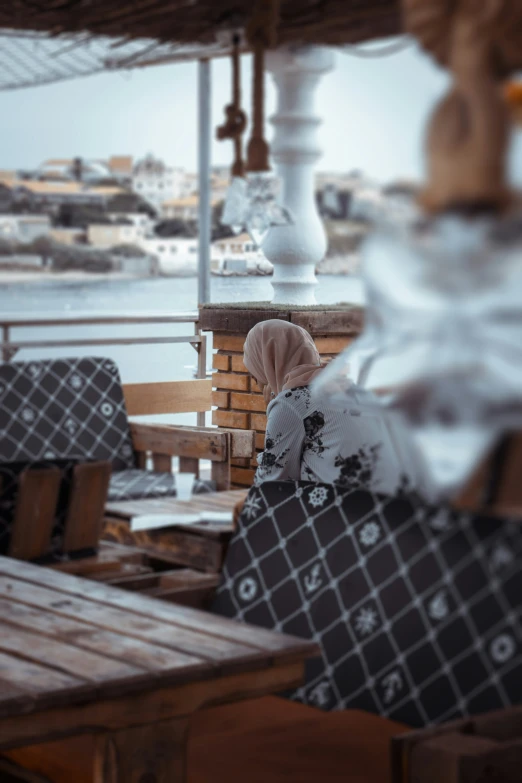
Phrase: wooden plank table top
pixel 208 501
pixel 79 657
pixel 202 546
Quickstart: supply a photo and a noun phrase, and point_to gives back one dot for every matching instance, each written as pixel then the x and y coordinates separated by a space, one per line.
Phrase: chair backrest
pixel 145 399
pixel 64 409
pixel 50 509
pixel 418 610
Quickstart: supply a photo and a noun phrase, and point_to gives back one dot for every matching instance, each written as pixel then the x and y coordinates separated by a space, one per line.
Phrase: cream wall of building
pixel 111 234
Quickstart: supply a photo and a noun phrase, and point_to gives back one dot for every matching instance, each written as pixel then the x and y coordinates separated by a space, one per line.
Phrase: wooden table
pixel 82 658
pixel 198 546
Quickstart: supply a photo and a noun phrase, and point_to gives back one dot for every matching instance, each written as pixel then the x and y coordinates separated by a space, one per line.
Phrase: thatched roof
pixel 198 21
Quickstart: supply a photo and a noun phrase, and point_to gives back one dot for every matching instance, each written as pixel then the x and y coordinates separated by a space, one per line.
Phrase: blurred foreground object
pixel 443 335
pixel 442 345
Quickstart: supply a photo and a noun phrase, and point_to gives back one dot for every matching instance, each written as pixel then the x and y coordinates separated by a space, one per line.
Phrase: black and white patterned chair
pixel 75 409
pixel 418 611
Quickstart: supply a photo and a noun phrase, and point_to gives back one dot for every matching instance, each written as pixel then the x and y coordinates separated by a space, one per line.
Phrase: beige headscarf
pixel 280 356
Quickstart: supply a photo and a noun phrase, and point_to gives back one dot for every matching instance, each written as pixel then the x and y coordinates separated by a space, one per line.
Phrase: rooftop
pixel 198 21
pixel 55 187
pixel 188 201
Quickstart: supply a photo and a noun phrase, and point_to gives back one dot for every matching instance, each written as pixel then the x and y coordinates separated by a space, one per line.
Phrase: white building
pixel 24 228
pixel 176 255
pixel 238 255
pixel 141 220
pixel 156 182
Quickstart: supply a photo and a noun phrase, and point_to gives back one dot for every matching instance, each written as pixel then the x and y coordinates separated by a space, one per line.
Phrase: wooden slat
pixel 207 501
pixel 220 473
pixel 142 707
pixel 189 465
pixel 87 501
pixel 162 463
pixel 211 649
pixel 105 560
pixel 114 577
pixel 61 656
pixel 198 443
pixel 195 597
pixel 135 652
pixel 37 680
pixel 138 582
pixel 35 513
pixel 187 577
pixel 219 628
pixel 144 399
pixel 181 547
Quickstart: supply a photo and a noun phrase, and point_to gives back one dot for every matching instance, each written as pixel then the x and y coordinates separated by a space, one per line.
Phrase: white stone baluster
pixel 296 250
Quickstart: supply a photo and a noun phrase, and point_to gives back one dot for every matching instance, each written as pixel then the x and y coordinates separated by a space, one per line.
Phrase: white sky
pixel 374 114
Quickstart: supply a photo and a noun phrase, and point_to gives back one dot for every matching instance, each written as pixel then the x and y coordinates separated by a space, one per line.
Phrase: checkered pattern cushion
pixel 63 409
pixel 9 476
pixel 141 484
pixel 418 611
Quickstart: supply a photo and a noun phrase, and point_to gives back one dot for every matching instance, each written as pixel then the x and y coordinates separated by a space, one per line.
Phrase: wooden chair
pixel 53 509
pixel 161 442
pixel 78 409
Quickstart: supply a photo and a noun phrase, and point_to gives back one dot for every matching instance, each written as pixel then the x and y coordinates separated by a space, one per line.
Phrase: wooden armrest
pixel 176 441
pixel 146 437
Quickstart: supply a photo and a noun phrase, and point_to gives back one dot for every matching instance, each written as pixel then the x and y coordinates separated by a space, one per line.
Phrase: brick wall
pixel 237 397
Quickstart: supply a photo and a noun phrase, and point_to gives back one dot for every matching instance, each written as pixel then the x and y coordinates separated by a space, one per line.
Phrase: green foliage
pixel 128 251
pixel 76 258
pixel 6 247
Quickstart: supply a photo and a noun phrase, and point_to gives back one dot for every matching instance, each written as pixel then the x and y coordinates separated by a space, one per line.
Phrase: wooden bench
pixel 482 749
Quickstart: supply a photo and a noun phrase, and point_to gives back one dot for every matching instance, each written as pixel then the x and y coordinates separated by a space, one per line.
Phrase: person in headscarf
pixel 307 439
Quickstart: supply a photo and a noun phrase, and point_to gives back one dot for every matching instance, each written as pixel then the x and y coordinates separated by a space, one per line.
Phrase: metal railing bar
pixel 91 319
pixel 17 346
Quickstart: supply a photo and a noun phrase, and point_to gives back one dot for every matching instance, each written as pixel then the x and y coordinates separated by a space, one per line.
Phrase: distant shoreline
pixel 18 277
pixel 8 276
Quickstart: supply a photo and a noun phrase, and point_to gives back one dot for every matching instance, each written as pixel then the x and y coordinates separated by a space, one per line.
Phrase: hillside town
pixel 140 218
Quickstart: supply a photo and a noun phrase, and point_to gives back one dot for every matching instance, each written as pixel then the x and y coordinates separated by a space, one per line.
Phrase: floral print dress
pixel 355 447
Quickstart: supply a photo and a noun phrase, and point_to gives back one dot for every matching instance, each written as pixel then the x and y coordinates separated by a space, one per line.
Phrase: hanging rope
pixel 235 124
pixel 261 34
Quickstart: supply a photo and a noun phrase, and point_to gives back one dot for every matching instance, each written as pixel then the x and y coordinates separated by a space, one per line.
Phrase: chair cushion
pixel 271 740
pixel 140 484
pixel 417 610
pixel 9 477
pixel 64 409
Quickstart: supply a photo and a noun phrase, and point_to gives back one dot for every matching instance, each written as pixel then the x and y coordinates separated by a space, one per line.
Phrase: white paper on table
pixel 154 521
